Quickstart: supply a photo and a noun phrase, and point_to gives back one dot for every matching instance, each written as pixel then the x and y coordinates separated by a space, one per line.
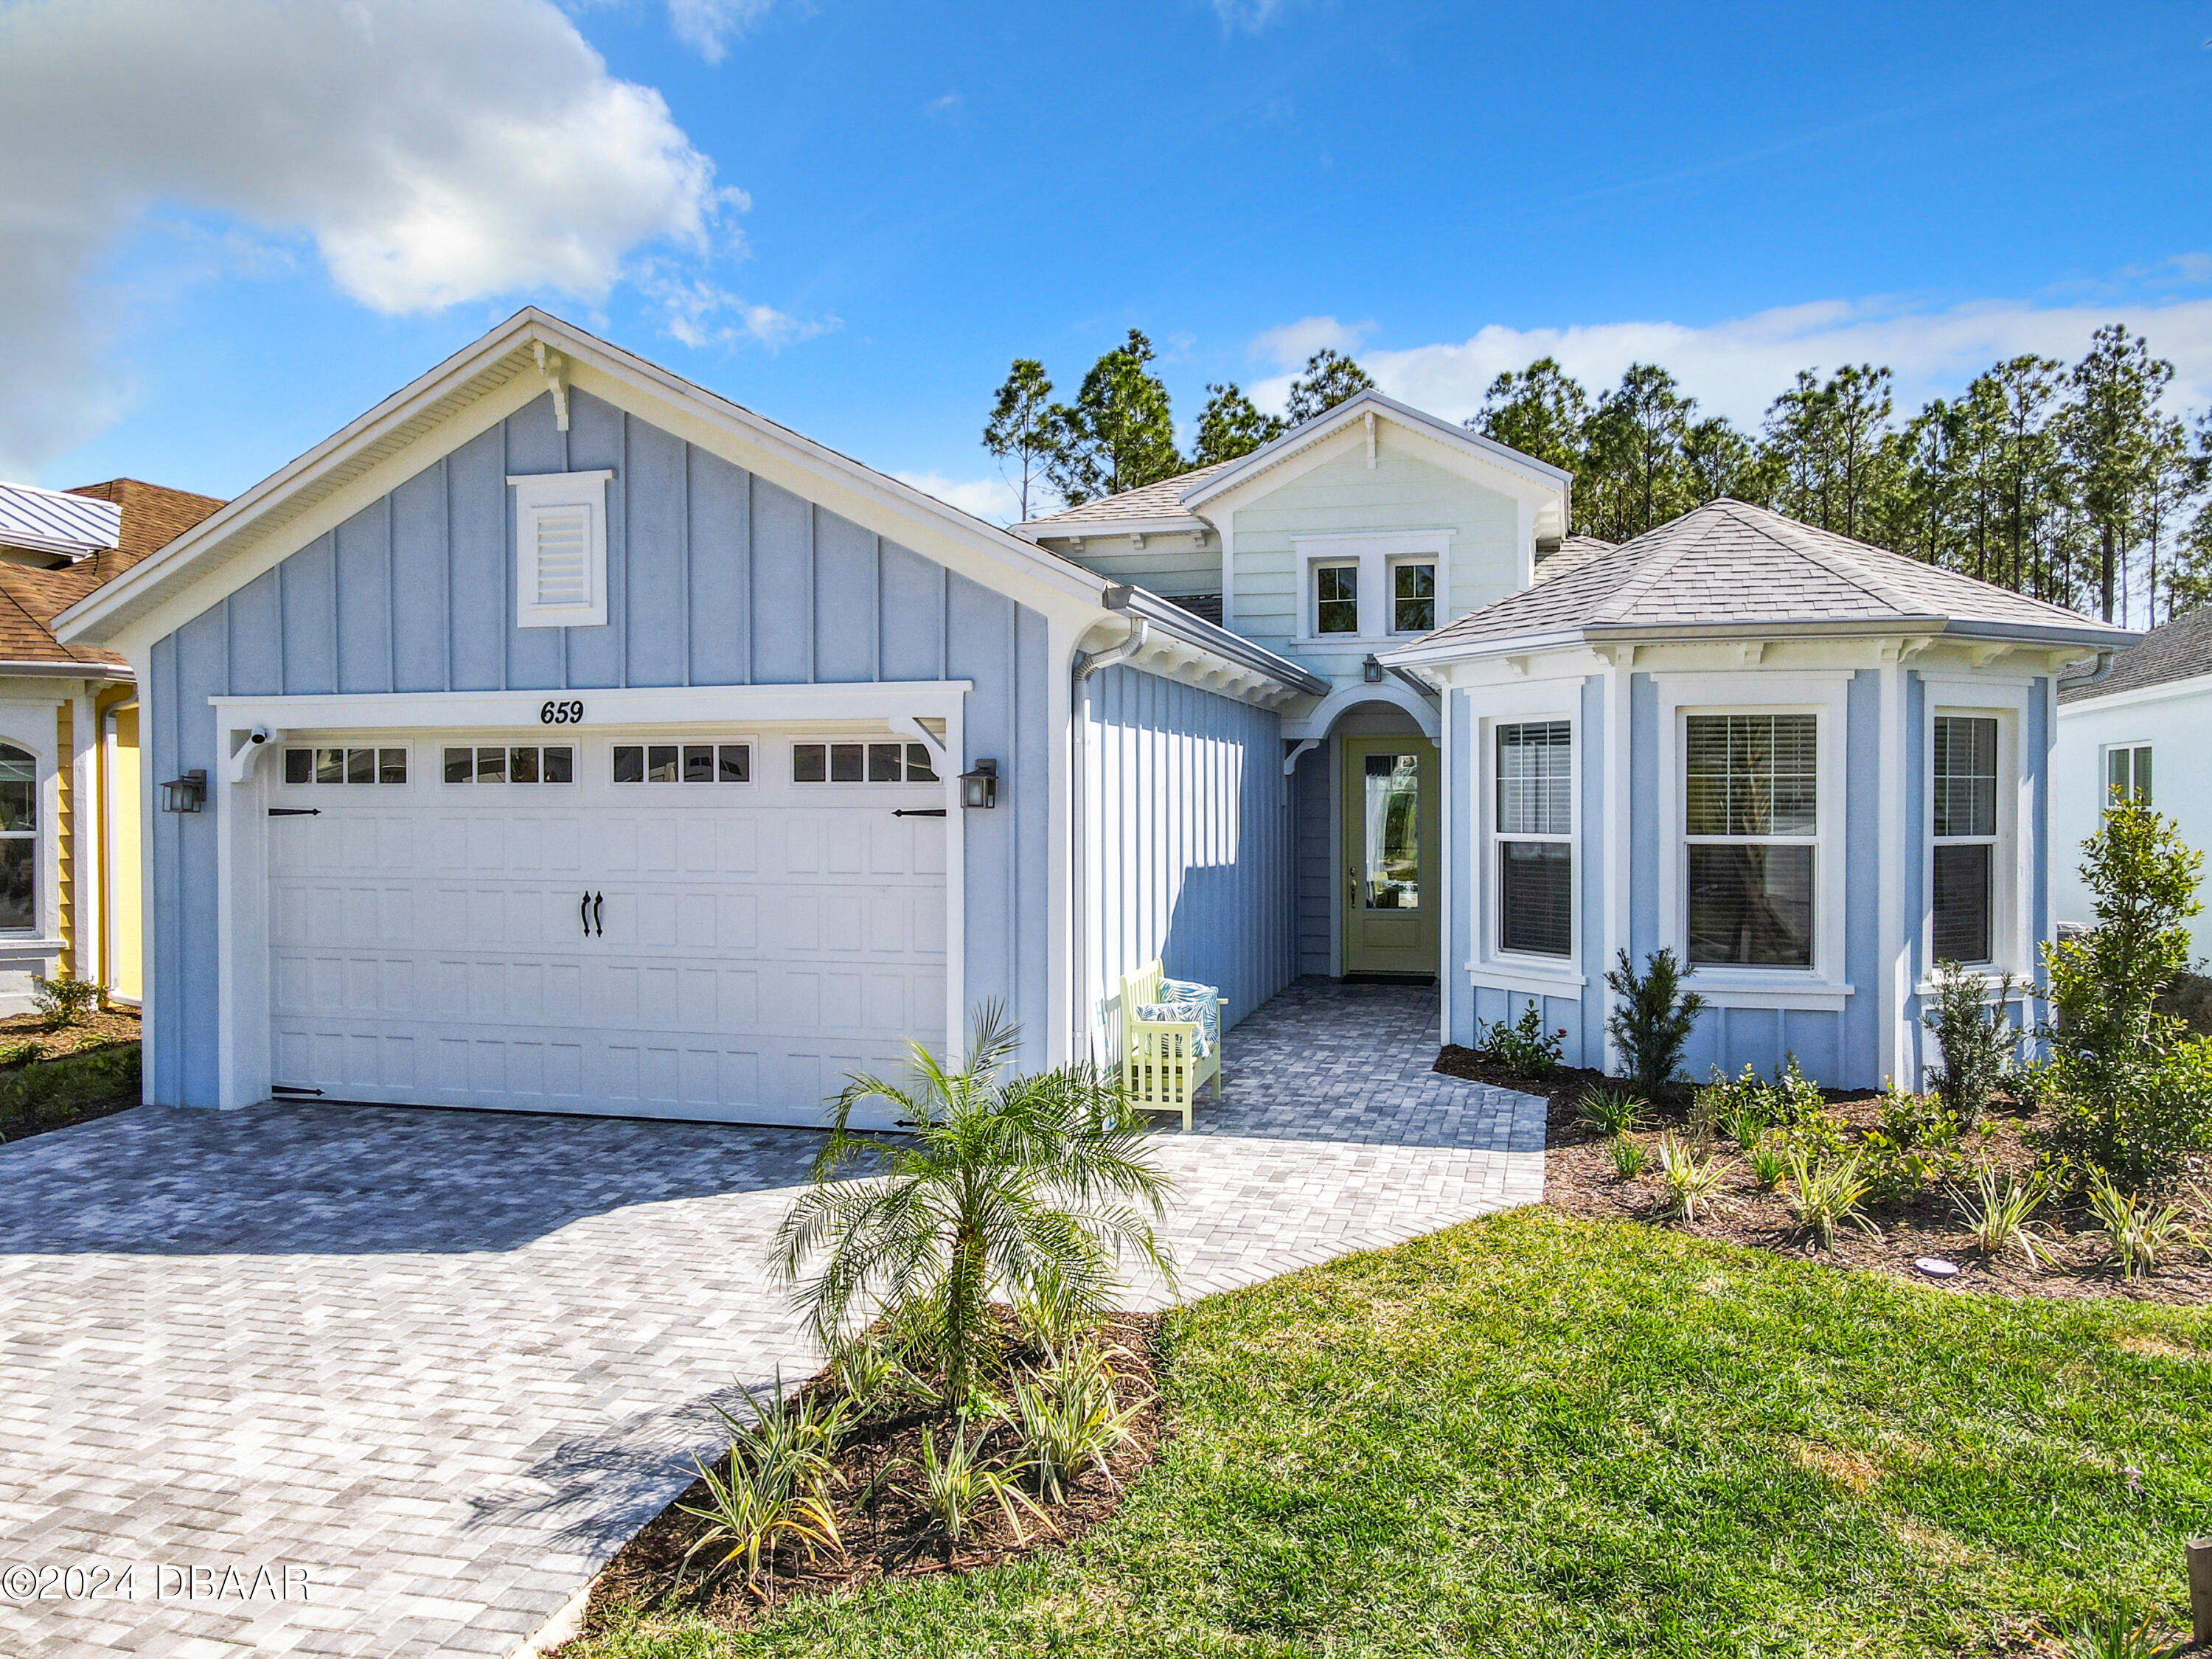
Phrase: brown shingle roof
pixel 30 598
pixel 1728 563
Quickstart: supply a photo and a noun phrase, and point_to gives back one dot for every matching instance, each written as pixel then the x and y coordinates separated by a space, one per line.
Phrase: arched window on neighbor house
pixel 19 841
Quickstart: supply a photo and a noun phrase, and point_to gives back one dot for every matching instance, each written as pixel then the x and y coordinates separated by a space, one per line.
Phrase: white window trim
pixel 2104 784
pixel 2011 934
pixel 45 862
pixel 1490 966
pixel 751 741
pixel 853 786
pixel 1825 696
pixel 1376 552
pixel 536 494
pixel 1390 592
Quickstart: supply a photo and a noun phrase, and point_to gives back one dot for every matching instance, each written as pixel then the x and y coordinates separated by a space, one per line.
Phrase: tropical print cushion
pixel 1183 1002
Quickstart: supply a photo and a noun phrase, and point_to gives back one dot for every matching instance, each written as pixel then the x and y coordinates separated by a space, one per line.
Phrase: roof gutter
pixel 1170 617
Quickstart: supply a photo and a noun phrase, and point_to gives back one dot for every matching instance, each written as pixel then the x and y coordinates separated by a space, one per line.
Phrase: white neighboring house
pixel 2136 728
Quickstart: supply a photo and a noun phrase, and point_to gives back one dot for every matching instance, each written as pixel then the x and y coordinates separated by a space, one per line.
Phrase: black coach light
pixel 186 793
pixel 980 787
pixel 1372 670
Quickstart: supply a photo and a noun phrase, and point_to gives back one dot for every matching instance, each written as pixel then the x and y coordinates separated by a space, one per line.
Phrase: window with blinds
pixel 1963 784
pixel 1535 825
pixel 1751 800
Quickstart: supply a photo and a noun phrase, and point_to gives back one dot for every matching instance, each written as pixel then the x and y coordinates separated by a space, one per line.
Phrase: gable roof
pixel 2178 650
pixel 143 517
pixel 1729 569
pixel 1172 504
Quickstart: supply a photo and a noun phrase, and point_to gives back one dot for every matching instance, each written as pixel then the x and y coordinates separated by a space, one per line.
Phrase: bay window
pixel 1750 789
pixel 1532 832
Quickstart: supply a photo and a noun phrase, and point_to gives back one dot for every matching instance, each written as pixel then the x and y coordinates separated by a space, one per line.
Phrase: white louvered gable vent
pixel 561 549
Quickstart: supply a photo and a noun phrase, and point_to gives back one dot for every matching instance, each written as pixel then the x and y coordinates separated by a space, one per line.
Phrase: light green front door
pixel 1389 839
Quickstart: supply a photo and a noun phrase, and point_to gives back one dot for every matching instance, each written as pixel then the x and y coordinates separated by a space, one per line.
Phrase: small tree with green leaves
pixel 1977 1037
pixel 1651 1022
pixel 1021 429
pixel 2131 1090
pixel 1231 425
pixel 1003 1184
pixel 1329 377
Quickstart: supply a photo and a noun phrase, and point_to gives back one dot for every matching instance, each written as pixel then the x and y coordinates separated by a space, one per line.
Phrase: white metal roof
pixel 55 521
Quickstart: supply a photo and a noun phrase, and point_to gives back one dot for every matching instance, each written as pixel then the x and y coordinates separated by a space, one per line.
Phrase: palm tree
pixel 1000 1183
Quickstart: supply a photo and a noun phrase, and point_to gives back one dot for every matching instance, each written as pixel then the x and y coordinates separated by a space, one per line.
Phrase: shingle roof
pixel 1206 607
pixel 150 517
pixel 2178 650
pixel 1163 500
pixel 1571 552
pixel 1728 563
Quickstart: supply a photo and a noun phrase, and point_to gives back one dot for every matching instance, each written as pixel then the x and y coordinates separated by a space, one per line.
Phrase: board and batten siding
pixel 714 577
pixel 1343 495
pixel 1190 840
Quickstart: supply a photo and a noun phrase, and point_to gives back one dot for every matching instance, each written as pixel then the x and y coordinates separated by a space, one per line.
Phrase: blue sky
pixel 901 198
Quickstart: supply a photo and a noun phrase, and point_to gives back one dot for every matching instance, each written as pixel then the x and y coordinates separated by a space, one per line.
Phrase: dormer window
pixel 561 549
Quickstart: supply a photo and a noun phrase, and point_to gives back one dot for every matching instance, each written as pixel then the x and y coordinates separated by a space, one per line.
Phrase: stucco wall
pixel 2174 725
pixel 714 577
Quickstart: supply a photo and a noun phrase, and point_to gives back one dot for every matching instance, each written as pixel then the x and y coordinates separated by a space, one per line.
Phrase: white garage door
pixel 720 927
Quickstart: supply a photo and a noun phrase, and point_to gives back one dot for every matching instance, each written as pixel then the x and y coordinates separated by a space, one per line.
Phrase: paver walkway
pixel 430 1369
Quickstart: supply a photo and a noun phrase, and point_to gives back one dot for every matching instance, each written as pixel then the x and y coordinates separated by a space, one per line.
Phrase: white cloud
pixel 943 104
pixel 708 27
pixel 991 498
pixel 434 152
pixel 1289 346
pixel 699 313
pixel 1736 367
pixel 1250 15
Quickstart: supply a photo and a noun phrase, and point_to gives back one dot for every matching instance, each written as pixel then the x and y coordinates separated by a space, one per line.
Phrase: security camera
pixel 258 735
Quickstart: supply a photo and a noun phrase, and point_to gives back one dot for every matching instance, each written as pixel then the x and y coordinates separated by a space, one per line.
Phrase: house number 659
pixel 562 714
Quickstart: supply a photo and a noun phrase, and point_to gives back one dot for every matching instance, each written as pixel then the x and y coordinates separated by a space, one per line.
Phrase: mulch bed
pixel 885 1534
pixel 96 1028
pixel 1579 1180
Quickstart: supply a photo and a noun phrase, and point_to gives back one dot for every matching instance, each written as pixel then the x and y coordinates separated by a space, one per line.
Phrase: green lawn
pixel 1530 1435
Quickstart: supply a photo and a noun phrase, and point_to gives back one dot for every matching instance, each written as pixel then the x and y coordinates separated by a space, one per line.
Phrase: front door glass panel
pixel 1392 833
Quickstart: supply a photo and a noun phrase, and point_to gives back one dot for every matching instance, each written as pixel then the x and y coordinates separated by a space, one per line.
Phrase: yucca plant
pixel 2116 1639
pixel 872 1376
pixel 1069 1421
pixel 1827 1195
pixel 1692 1183
pixel 772 1484
pixel 1055 1311
pixel 1611 1112
pixel 1002 1183
pixel 1770 1165
pixel 2136 1231
pixel 1629 1156
pixel 1997 1215
pixel 1744 1126
pixel 955 1488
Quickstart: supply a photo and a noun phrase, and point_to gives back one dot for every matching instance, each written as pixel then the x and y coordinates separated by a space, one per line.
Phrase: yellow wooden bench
pixel 1162 1068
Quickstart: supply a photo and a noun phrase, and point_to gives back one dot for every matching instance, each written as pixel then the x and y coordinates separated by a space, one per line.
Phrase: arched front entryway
pixel 1366 789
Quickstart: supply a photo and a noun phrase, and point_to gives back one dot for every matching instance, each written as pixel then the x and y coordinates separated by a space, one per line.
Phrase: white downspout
pixel 1085 664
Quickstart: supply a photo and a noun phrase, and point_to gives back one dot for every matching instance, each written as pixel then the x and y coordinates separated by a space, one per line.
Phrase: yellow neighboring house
pixel 70 785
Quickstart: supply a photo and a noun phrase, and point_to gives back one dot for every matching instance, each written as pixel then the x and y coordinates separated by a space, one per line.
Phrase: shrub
pixel 1692 1183
pixel 2130 1091
pixel 1612 1112
pixel 1629 1156
pixel 63 999
pixel 1998 1216
pixel 1736 1102
pixel 1001 1180
pixel 1977 1038
pixel 1770 1165
pixel 771 1485
pixel 1524 1047
pixel 13 1055
pixel 1069 1421
pixel 52 1089
pixel 1651 1022
pixel 1915 1146
pixel 957 1485
pixel 1825 1195
pixel 2136 1231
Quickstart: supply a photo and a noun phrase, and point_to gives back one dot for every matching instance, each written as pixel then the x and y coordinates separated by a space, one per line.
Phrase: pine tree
pixel 1541 411
pixel 1633 450
pixel 1119 433
pixel 1020 429
pixel 2109 434
pixel 1230 425
pixel 1329 377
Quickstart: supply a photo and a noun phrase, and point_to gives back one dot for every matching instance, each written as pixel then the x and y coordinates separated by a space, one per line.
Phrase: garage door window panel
pixel 861 762
pixel 346 766
pixel 713 762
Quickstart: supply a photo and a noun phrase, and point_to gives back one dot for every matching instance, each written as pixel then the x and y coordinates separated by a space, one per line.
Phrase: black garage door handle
pixel 583 912
pixel 598 913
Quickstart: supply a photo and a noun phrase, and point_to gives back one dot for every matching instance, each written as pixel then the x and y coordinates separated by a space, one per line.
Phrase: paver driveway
pixel 429 1369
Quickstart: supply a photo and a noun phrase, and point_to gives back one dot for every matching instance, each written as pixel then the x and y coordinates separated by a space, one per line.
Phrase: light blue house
pixel 563 737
